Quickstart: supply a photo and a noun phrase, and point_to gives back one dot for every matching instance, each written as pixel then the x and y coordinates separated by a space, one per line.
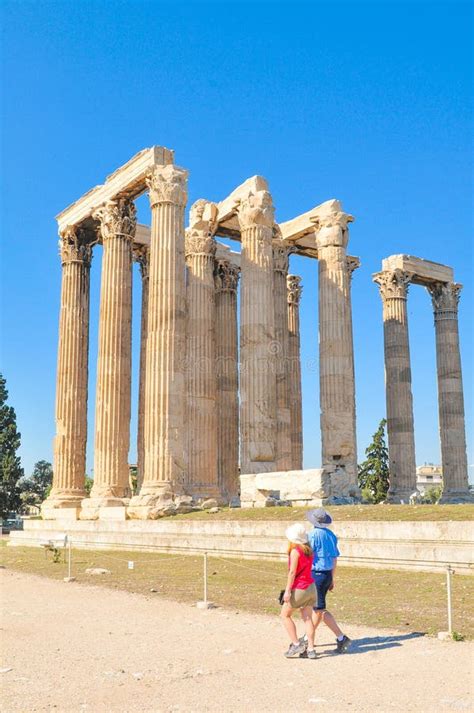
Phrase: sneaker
pixel 295 650
pixel 311 654
pixel 303 640
pixel 343 645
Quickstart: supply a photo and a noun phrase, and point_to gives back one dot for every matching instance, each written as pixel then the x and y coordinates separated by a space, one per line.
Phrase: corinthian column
pixel 141 255
pixel 336 353
pixel 117 223
pixel 401 440
pixel 72 372
pixel 445 298
pixel 257 336
pixel 200 249
pixel 294 290
pixel 281 345
pixel 165 466
pixel 226 281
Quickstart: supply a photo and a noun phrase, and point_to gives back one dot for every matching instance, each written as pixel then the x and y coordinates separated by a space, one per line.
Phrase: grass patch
pixel 410 601
pixel 415 513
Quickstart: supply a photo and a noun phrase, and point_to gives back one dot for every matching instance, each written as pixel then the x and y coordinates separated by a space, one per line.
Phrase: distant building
pixel 428 476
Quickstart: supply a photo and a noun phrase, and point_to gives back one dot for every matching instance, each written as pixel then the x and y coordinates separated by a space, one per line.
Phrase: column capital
pixel 256 209
pixel 226 276
pixel 293 284
pixel 352 263
pixel 117 218
pixel 281 253
pixel 393 283
pixel 332 229
pixel 74 246
pixel 167 184
pixel 199 238
pixel 445 298
pixel 141 254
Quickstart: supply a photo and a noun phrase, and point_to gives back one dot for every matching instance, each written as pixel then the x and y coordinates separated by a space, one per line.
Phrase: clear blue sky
pixel 366 102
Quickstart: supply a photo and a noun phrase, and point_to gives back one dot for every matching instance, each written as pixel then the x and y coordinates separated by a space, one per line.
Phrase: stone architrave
pixel 226 282
pixel 294 291
pixel 164 462
pixel 445 298
pixel 201 417
pixel 72 374
pixel 117 224
pixel 336 353
pixel 258 429
pixel 141 254
pixel 400 428
pixel 281 348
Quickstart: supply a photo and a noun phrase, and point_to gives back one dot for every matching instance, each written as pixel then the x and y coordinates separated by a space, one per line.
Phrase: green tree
pixel 373 473
pixel 36 488
pixel 10 464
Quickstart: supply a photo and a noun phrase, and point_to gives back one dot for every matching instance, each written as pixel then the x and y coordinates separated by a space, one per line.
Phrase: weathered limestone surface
pixel 423 272
pixel 201 421
pixel 72 374
pixel 142 255
pixel 257 329
pixel 164 462
pixel 294 291
pixel 445 298
pixel 281 349
pixel 401 442
pixel 336 363
pixel 112 425
pixel 226 282
pixel 298 487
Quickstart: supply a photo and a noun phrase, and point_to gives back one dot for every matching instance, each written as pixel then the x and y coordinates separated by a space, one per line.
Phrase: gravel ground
pixel 72 647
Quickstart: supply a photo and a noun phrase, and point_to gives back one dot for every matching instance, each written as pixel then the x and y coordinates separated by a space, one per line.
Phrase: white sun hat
pixel 297 534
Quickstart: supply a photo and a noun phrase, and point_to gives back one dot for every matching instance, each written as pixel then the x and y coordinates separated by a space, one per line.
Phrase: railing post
pixel 205 579
pixel 449 572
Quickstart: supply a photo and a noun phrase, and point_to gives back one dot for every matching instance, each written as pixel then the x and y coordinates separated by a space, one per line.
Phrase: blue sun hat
pixel 319 517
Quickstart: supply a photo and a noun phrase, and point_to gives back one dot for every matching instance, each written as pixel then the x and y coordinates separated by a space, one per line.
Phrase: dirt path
pixel 72 647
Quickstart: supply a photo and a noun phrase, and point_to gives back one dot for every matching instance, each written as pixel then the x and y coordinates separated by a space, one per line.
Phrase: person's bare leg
pixel 330 622
pixel 306 615
pixel 317 617
pixel 288 623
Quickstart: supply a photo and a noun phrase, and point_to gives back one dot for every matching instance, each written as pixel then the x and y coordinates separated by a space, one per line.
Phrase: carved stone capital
pixel 202 227
pixel 167 184
pixel 226 276
pixel 141 254
pixel 445 297
pixel 281 253
pixel 352 264
pixel 393 283
pixel 74 246
pixel 117 218
pixel 256 209
pixel 332 229
pixel 293 284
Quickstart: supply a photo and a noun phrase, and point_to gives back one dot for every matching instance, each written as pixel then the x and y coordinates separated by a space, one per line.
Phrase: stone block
pixel 424 271
pixel 113 513
pixel 67 514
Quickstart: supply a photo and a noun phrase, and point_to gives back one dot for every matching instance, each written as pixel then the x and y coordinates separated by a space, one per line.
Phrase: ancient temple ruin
pixel 219 411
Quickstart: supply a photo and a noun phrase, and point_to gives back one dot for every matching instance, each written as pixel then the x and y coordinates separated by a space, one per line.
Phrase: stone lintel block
pixel 113 513
pixel 129 179
pixel 424 271
pixel 302 486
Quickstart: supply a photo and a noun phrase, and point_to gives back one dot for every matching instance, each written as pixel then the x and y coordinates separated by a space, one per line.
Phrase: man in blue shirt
pixel 323 542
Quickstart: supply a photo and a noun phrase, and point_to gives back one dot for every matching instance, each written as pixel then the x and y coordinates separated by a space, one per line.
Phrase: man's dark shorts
pixel 322 581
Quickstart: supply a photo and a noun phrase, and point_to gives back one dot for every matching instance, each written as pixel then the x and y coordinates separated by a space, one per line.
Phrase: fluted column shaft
pixel 226 281
pixel 117 221
pixel 400 426
pixel 283 440
pixel 445 298
pixel 294 362
pixel 257 330
pixel 141 255
pixel 200 248
pixel 336 356
pixel 164 462
pixel 72 373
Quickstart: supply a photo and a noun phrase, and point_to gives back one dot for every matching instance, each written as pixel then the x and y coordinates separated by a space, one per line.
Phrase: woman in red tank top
pixel 300 592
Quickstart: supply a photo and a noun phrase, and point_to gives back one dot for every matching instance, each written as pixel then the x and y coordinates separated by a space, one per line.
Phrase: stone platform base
pixel 422 546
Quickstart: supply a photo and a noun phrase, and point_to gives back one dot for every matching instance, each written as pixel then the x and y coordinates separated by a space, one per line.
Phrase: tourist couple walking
pixel 312 559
